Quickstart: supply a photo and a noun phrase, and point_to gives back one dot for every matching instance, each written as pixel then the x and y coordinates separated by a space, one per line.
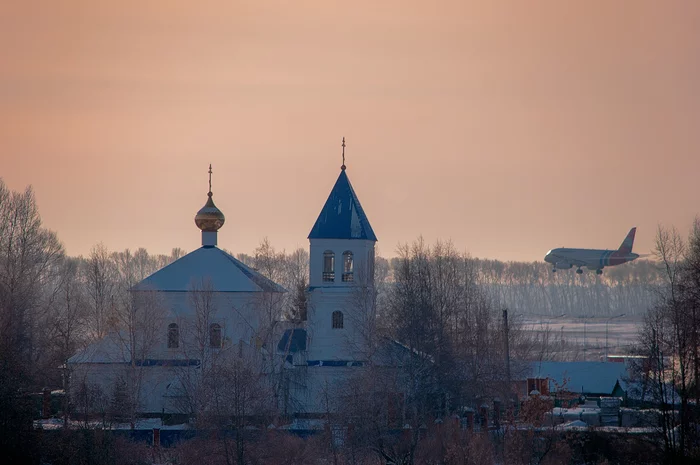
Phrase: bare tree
pixel 367 410
pixel 296 281
pixel 89 400
pixel 101 284
pixel 440 313
pixel 29 255
pixel 29 258
pixel 669 340
pixel 70 312
pixel 204 343
pixel 66 324
pixel 139 315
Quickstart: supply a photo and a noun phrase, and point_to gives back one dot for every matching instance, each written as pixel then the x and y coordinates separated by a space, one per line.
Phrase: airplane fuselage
pixel 593 259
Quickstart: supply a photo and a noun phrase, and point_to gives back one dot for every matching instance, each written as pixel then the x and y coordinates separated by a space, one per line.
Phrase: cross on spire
pixel 343 145
pixel 210 180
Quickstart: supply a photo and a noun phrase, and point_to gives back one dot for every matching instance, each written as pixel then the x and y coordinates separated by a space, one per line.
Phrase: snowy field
pixel 586 337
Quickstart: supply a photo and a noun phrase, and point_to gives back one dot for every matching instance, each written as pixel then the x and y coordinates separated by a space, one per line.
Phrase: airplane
pixel 593 259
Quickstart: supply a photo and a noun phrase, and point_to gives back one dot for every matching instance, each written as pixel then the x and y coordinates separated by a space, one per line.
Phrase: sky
pixel 507 127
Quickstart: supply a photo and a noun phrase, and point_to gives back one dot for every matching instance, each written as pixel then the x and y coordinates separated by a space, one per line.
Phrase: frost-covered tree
pixel 30 257
pixel 669 340
pixel 100 277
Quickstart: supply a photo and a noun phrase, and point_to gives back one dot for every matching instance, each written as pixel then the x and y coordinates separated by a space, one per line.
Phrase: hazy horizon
pixel 507 127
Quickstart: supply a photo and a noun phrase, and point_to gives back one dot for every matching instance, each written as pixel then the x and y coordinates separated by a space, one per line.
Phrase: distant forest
pixel 532 288
pixel 528 288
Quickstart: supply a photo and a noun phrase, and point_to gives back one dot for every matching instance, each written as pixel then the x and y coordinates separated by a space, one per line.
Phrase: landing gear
pixel 579 271
pixel 598 272
pixel 554 270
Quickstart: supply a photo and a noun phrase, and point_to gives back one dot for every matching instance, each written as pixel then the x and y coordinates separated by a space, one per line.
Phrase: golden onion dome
pixel 209 218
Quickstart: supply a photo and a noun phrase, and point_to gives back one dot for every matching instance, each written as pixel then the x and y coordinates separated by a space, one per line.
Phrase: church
pixel 208 307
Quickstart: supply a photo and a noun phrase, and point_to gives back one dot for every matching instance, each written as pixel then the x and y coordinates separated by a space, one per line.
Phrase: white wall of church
pixel 242 316
pixel 326 340
pixel 157 386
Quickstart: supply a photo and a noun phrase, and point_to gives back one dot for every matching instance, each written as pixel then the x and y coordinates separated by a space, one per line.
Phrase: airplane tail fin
pixel 626 246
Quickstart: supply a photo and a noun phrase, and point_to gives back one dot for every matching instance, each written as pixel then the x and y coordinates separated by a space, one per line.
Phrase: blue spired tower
pixel 341 282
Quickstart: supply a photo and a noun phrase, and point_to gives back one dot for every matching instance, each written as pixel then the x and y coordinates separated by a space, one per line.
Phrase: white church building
pixel 208 303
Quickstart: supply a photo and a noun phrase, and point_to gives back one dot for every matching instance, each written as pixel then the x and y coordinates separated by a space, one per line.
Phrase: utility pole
pixel 585 347
pixel 507 347
pixel 606 333
pixel 584 340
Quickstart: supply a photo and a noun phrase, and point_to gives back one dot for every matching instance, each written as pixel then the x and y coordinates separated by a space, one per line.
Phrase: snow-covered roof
pixel 584 377
pixel 342 217
pixel 224 272
pixel 113 348
pixel 139 424
pixel 649 391
pixel 573 424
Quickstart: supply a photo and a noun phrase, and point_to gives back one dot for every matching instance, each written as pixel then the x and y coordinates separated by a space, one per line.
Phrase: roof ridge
pixel 254 275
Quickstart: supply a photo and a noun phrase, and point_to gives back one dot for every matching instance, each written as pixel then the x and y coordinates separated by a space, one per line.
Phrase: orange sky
pixel 510 127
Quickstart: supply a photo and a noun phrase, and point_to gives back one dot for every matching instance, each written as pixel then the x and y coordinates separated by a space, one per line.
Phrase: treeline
pixel 532 288
pixel 528 288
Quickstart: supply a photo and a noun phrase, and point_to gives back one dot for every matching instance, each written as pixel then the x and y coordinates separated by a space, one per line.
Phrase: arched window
pixel 337 320
pixel 347 266
pixel 173 336
pixel 328 266
pixel 215 335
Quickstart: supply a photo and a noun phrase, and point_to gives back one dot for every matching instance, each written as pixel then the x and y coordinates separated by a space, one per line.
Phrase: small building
pixel 597 379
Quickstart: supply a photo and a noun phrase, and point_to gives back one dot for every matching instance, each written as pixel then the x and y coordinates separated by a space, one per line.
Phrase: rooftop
pixel 581 377
pixel 342 217
pixel 224 272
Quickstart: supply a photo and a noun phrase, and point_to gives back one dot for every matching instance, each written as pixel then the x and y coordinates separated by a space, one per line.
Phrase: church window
pixel 328 266
pixel 215 335
pixel 337 320
pixel 347 267
pixel 173 336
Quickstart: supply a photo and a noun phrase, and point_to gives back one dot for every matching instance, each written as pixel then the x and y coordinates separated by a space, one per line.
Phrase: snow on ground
pixel 141 424
pixel 588 333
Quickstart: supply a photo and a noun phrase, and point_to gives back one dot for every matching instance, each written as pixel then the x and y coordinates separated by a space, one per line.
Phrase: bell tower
pixel 341 267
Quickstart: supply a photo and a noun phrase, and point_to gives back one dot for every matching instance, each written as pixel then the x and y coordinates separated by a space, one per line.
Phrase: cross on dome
pixel 210 194
pixel 342 167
